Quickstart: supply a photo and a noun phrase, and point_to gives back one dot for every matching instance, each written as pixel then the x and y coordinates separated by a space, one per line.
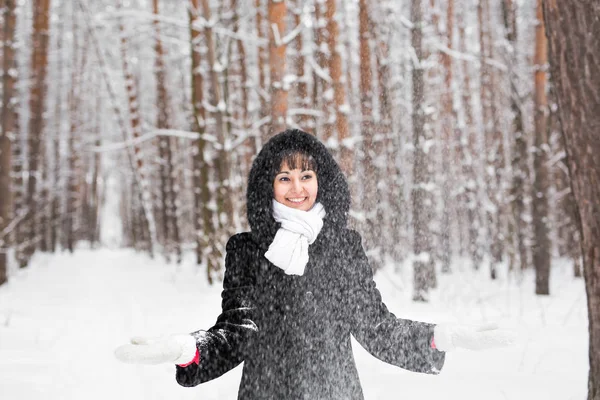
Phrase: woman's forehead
pixel 297 160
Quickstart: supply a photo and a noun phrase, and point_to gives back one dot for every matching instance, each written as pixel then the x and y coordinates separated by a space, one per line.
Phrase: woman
pixel 295 288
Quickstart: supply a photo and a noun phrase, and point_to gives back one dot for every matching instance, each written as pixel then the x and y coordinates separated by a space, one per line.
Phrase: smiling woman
pixel 296 287
pixel 296 187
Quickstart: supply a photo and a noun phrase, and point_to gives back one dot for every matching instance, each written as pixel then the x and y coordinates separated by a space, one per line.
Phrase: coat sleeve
pixel 397 341
pixel 222 347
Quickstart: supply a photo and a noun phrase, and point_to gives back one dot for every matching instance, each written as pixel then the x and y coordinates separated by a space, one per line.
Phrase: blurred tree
pixel 519 161
pixel 277 63
pixel 8 128
pixel 573 31
pixel 423 263
pixel 37 104
pixel 541 239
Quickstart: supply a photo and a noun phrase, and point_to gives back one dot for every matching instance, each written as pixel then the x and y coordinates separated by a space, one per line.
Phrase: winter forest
pixel 467 129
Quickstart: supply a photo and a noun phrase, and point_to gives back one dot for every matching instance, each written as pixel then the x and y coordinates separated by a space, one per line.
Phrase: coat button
pixel 309 295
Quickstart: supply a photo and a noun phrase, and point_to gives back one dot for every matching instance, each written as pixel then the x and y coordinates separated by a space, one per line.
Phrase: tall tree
pixel 519 161
pixel 494 144
pixel 203 216
pixel 539 205
pixel 423 264
pixel 221 160
pixel 146 220
pixel 339 89
pixel 448 124
pixel 37 103
pixel 277 63
pixel 371 147
pixel 573 35
pixel 7 129
pixel 468 154
pixel 170 226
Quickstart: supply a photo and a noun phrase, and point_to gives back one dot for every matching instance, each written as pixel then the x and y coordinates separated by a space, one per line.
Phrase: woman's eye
pixel 284 179
pixel 307 177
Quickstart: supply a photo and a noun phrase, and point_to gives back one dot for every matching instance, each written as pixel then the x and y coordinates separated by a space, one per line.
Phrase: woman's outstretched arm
pixel 401 342
pixel 223 347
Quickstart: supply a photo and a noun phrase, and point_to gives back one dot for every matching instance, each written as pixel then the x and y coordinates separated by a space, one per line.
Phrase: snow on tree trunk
pixel 224 205
pixel 421 197
pixel 573 31
pixel 147 221
pixel 469 155
pixel 203 215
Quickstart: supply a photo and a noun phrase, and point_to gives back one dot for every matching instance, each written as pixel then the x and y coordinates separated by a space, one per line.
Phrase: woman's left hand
pixel 448 337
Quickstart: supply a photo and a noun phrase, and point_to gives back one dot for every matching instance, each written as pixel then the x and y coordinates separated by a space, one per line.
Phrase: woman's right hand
pixel 174 349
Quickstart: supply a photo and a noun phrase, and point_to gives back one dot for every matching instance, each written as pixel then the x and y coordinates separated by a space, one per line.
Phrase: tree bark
pixel 7 131
pixel 277 62
pixel 520 169
pixel 424 273
pixel 37 100
pixel 541 240
pixel 203 216
pixel 147 221
pixel 339 90
pixel 468 156
pixel 448 124
pixel 573 31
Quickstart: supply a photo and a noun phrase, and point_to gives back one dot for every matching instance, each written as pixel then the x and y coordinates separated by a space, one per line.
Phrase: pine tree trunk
pixel 492 145
pixel 520 169
pixel 302 102
pixel 73 184
pixel 573 31
pixel 147 222
pixel 339 90
pixel 37 99
pixel 322 99
pixel 539 204
pixel 162 122
pixel 448 123
pixel 393 208
pixel 7 130
pixel 224 209
pixel 468 154
pixel 277 59
pixel 262 81
pixel 203 219
pixel 424 273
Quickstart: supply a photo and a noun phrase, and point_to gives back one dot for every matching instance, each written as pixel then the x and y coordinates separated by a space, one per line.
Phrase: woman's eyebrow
pixel 283 172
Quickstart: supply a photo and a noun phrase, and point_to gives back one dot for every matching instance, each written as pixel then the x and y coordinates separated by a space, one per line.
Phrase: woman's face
pixel 296 188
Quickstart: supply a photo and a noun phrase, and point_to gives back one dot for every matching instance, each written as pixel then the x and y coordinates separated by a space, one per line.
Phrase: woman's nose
pixel 297 185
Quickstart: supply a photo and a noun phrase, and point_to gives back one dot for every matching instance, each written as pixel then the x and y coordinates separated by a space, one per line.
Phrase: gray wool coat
pixel 293 332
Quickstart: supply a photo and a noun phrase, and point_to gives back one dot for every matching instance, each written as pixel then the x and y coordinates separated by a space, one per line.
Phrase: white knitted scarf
pixel 299 229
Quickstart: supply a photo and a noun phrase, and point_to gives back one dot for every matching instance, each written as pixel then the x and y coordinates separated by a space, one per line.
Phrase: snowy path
pixel 61 318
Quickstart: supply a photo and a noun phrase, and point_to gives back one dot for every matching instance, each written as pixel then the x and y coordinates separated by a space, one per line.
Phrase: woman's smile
pixel 295 188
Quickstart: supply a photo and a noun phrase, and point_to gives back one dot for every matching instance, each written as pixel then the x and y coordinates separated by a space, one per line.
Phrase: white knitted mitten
pixel 448 337
pixel 174 349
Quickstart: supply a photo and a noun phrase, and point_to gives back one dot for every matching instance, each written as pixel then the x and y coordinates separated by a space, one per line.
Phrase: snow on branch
pixel 148 136
pixel 469 57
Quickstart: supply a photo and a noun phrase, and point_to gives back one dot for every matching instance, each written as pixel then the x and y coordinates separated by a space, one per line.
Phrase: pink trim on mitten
pixel 433 343
pixel 196 360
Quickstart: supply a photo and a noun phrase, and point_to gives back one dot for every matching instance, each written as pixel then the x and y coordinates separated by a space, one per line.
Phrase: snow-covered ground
pixel 61 318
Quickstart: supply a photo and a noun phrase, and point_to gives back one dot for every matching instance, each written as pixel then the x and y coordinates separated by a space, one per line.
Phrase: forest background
pixel 443 114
